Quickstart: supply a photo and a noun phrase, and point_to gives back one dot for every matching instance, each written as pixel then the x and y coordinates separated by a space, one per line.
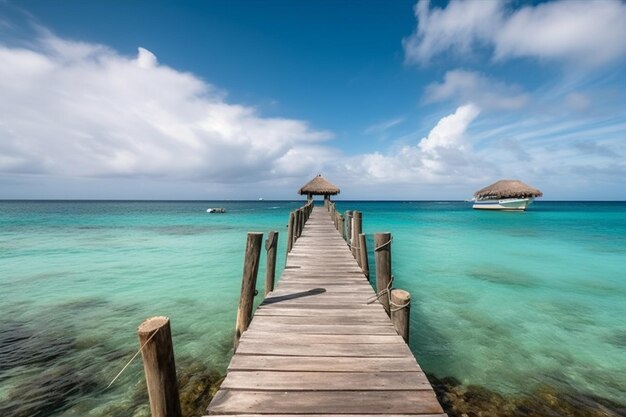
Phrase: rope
pixel 133 358
pixel 398 307
pixel 383 245
pixel 385 291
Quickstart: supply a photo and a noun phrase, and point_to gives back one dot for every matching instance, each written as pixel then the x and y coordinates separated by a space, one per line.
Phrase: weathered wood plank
pixel 322 381
pixel 297 338
pixel 323 364
pixel 254 347
pixel 337 402
pixel 348 329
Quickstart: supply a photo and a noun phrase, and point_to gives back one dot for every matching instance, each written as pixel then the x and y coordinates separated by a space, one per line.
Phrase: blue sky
pixel 389 100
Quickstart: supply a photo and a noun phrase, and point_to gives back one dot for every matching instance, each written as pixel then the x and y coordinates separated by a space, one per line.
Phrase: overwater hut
pixel 506 195
pixel 319 186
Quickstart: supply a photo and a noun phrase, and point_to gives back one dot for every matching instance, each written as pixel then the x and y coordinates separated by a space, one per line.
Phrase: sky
pixel 232 99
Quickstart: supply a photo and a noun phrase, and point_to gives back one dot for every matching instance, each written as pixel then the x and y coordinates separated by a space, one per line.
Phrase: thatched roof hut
pixel 319 186
pixel 507 189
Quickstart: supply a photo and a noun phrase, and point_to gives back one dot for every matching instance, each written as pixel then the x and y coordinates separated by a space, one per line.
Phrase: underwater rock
pixel 474 401
pixel 41 395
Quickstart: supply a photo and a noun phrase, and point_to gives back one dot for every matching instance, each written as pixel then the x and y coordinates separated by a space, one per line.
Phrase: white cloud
pixel 384 125
pixel 468 86
pixel 82 110
pixel 587 34
pixel 146 59
pixel 445 155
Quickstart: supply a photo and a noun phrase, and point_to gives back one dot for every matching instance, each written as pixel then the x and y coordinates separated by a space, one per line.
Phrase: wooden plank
pixel 329 320
pixel 323 381
pixel 327 415
pixel 337 402
pixel 337 312
pixel 254 347
pixel 325 364
pixel 279 337
pixel 270 326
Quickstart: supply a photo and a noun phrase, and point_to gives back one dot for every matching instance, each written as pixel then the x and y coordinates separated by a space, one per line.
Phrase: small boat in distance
pixel 505 195
pixel 216 210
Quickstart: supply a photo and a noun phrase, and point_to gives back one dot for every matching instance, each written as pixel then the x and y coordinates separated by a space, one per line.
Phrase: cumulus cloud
pixel 468 86
pixel 77 109
pixel 444 154
pixel 583 33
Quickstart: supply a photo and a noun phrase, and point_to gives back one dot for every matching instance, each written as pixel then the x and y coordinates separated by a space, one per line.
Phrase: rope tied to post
pixel 133 358
pixel 384 291
pixel 377 248
pixel 397 307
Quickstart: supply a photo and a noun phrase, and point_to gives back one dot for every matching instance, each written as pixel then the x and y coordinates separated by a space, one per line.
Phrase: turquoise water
pixel 508 301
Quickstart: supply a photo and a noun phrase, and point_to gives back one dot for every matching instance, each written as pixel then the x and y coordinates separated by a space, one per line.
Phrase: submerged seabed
pixel 513 313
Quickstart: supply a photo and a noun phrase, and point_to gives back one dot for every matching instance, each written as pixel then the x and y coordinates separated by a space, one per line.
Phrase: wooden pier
pixel 317 347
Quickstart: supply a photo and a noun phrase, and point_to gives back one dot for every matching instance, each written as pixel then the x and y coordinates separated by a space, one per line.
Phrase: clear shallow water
pixel 509 301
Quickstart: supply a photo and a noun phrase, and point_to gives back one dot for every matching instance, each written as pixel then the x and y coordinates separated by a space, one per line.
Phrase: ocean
pixel 519 307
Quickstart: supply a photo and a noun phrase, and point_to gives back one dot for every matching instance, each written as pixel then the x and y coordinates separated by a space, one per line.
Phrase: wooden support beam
pixel 271 244
pixel 382 251
pixel 357 224
pixel 364 258
pixel 401 312
pixel 155 340
pixel 290 231
pixel 248 284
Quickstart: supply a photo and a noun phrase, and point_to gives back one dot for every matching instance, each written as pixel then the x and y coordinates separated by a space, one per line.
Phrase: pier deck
pixel 315 347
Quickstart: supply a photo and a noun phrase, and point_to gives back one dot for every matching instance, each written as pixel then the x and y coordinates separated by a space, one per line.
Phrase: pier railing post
pixel 401 312
pixel 363 252
pixel 382 250
pixel 248 284
pixel 290 231
pixel 297 231
pixel 356 230
pixel 342 226
pixel 349 227
pixel 157 351
pixel 271 245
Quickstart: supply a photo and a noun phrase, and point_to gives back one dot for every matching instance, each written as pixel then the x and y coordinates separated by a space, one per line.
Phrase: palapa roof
pixel 507 189
pixel 319 186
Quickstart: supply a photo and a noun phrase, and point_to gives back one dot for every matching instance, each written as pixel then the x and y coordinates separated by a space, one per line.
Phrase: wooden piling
pixel 342 230
pixel 290 231
pixel 401 312
pixel 271 245
pixel 297 229
pixel 155 338
pixel 382 251
pixel 356 231
pixel 302 221
pixel 349 226
pixel 364 258
pixel 248 284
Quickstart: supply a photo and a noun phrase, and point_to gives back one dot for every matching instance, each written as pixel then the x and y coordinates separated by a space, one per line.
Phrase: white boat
pixel 216 210
pixel 519 204
pixel 511 195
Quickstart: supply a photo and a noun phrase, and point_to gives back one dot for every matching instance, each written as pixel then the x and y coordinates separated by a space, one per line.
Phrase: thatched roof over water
pixel 507 189
pixel 319 186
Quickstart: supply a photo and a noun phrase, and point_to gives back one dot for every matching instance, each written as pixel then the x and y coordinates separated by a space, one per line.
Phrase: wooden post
pixel 341 226
pixel 290 231
pixel 363 251
pixel 356 230
pixel 297 228
pixel 159 367
pixel 348 226
pixel 248 284
pixel 271 245
pixel 301 226
pixel 382 245
pixel 401 312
